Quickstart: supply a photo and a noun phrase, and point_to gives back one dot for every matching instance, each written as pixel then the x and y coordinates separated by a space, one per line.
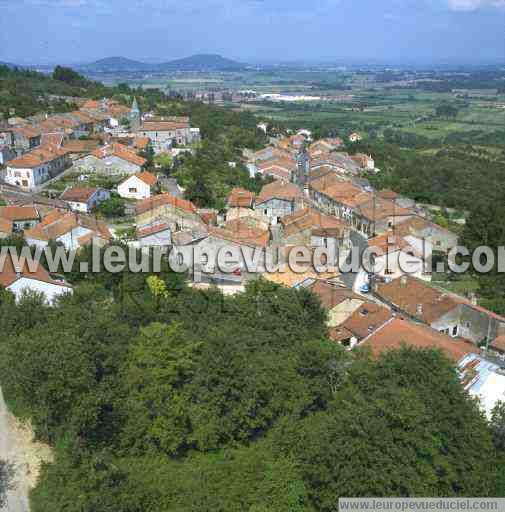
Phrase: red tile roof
pixel 398 332
pixel 56 224
pixel 317 222
pixel 367 318
pixel 148 178
pixel 240 198
pixel 78 194
pixel 165 200
pixel 241 232
pixel 27 131
pixel 164 125
pixel 279 190
pixel 499 343
pixel 119 151
pixel 52 139
pixel 141 142
pixel 408 294
pixel 9 274
pixel 331 295
pixel 152 230
pixel 5 226
pixel 14 213
pixel 36 157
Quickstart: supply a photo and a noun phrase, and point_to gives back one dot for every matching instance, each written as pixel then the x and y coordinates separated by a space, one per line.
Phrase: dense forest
pixel 156 396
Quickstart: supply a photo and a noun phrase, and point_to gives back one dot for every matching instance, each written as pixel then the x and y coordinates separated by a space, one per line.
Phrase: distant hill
pixel 114 64
pixel 201 62
pixel 9 65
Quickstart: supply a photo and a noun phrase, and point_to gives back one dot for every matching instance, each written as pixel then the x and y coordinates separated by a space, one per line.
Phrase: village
pixel 316 196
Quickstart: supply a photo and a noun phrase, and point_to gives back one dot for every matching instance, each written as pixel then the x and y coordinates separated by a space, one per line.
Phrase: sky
pixel 254 31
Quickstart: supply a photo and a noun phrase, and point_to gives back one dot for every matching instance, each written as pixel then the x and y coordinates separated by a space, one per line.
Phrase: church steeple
pixel 134 116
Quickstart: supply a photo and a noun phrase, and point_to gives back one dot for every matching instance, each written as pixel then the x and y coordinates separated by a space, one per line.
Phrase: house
pixel 32 169
pixel 78 148
pixel 139 186
pixel 364 320
pixel 240 203
pixel 72 230
pixel 341 163
pixel 278 199
pixel 277 169
pixel 25 138
pixel 236 234
pixel 398 199
pixel 397 256
pixel 22 280
pixel 484 380
pixel 165 132
pixel 156 235
pixel 366 162
pixel 445 312
pixel 84 199
pixel 325 146
pixel 108 113
pixel 340 302
pixel 399 332
pixel 6 144
pixel 178 213
pixel 111 160
pixel 274 161
pixel 355 137
pixel 441 240
pixel 20 217
pixel 312 228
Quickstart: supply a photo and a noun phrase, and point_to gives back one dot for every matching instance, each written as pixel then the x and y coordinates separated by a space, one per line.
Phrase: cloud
pixel 473 5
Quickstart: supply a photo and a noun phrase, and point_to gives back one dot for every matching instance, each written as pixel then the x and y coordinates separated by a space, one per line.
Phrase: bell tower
pixel 134 116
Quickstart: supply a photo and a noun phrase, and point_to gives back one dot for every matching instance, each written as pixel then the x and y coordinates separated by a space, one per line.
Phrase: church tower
pixel 134 116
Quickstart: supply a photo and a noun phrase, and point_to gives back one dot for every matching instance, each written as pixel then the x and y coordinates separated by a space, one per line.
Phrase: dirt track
pixel 17 446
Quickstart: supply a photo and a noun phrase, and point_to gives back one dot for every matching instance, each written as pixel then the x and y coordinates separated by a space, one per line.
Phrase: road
pixel 17 499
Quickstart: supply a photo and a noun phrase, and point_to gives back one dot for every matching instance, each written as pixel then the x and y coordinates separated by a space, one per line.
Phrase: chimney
pixel 419 309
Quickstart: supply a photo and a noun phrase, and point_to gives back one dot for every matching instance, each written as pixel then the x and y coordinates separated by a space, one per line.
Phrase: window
pixel 132 190
pixel 455 330
pixel 265 212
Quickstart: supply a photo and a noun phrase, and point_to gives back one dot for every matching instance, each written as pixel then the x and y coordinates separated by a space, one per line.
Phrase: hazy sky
pixel 72 31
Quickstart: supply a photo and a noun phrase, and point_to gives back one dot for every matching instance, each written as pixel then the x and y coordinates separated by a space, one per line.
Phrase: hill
pixel 115 64
pixel 202 62
pixel 9 65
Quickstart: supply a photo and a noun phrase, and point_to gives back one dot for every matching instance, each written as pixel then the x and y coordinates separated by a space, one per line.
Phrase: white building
pixel 32 169
pixel 139 186
pixel 156 235
pixel 19 281
pixel 398 257
pixel 84 199
pixel 71 230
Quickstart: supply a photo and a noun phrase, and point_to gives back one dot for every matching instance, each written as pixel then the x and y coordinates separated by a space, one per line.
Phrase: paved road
pixel 17 499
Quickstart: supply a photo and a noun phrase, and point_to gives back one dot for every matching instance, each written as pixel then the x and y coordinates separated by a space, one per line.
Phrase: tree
pixel 446 110
pixel 69 76
pixel 385 416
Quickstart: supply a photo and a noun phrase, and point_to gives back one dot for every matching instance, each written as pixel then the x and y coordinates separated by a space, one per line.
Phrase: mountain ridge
pixel 197 62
